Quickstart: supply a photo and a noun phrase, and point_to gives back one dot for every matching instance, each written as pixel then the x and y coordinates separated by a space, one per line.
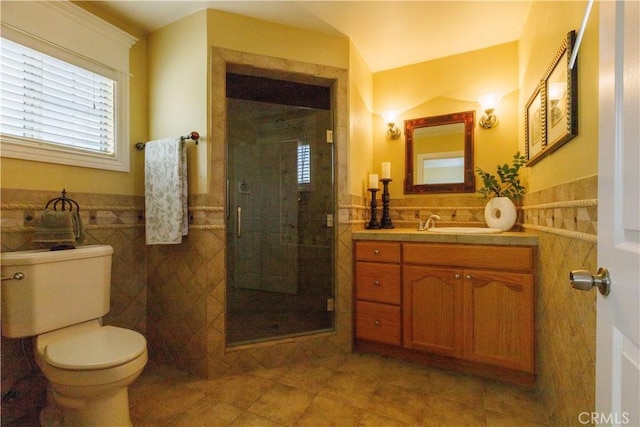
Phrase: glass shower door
pixel 280 231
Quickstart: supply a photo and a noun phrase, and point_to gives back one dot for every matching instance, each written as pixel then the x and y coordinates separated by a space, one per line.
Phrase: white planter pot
pixel 501 213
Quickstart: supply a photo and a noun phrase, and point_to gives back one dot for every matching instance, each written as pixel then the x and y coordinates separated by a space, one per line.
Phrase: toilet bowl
pixel 89 368
pixel 59 299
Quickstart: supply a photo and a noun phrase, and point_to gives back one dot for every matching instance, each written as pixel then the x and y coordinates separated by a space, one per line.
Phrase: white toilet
pixel 59 297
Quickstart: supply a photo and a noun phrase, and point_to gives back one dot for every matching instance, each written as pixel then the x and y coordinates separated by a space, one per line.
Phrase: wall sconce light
pixel 488 103
pixel 390 118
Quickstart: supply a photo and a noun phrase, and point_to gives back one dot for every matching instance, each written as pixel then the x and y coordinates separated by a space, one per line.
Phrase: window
pixel 64 86
pixel 304 164
pixel 50 101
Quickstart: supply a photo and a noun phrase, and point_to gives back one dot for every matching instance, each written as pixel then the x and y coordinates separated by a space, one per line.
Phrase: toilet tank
pixel 59 288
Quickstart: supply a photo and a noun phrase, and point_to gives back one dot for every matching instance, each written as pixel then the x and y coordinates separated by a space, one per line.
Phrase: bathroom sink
pixel 465 230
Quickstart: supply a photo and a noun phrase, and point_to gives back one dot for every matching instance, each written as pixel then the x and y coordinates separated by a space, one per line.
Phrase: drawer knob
pixel 376 251
pixel 376 282
pixel 377 323
pixel 468 277
pixel 457 276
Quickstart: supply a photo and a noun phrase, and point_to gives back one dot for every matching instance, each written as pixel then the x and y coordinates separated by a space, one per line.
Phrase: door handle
pixel 15 276
pixel 239 222
pixel 228 200
pixel 584 280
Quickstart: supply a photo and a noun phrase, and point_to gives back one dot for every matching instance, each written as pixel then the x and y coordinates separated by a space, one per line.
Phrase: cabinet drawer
pixel 378 282
pixel 378 251
pixel 476 256
pixel 378 322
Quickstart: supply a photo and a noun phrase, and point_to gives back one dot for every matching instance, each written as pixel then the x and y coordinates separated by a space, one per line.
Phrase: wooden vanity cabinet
pixel 471 302
pixel 466 307
pixel 378 292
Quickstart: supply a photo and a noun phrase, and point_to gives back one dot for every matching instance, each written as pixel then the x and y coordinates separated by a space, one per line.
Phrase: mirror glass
pixel 440 154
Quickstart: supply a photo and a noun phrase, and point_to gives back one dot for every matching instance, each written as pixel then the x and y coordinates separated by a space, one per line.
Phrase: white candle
pixel 373 180
pixel 386 170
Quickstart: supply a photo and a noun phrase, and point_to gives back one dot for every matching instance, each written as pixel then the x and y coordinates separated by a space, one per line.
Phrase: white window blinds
pixel 54 102
pixel 304 164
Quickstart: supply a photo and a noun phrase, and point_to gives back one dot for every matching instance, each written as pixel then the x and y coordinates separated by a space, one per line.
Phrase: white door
pixel 618 314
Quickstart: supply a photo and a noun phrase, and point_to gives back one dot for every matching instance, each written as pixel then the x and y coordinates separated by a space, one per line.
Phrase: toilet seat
pixel 100 348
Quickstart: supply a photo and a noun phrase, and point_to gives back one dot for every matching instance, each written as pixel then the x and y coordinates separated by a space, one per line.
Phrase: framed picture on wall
pixel 561 103
pixel 534 126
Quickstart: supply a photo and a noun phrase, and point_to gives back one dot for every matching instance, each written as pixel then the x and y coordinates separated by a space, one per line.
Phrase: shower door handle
pixel 227 195
pixel 239 222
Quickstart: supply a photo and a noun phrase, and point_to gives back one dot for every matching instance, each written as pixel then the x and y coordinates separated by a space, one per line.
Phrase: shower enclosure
pixel 280 235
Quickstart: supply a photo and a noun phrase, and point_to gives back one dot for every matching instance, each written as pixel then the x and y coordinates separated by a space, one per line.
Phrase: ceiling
pixel 387 34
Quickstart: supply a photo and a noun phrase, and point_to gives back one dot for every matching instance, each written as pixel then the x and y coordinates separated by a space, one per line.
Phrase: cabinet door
pixel 498 319
pixel 432 310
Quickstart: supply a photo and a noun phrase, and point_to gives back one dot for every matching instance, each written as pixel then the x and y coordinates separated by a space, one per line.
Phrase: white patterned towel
pixel 165 181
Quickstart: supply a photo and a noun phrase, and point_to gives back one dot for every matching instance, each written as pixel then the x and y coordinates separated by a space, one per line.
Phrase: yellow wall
pixel 546 27
pixel 360 123
pixel 448 85
pixel 169 96
pixel 244 34
pixel 178 66
pixel 30 175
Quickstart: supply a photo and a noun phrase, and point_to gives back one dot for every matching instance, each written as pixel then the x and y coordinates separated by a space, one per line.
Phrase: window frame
pixel 50 152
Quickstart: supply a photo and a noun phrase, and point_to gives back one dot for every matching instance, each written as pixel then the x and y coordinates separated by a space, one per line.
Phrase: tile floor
pixel 353 390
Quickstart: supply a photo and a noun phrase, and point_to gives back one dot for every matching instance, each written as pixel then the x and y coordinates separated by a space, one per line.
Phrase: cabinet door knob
pixel 377 323
pixel 376 282
pixel 468 277
pixel 376 252
pixel 457 276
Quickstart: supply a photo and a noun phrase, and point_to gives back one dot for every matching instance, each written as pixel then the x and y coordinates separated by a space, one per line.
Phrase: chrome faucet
pixel 429 223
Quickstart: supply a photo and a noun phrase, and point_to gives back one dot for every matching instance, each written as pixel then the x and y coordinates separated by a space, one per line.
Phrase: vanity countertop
pixel 510 238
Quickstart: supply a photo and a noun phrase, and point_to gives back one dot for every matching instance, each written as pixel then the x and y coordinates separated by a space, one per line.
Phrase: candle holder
pixel 373 222
pixel 385 222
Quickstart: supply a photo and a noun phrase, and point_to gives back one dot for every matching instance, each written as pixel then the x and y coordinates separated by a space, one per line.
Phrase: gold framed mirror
pixel 439 154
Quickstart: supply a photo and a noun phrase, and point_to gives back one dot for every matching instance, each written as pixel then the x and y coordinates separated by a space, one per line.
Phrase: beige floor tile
pixel 512 400
pixel 350 388
pixel 405 375
pixel 271 373
pixel 247 419
pixel 368 419
pixel 305 377
pixel 282 404
pixel 445 412
pixel 326 412
pixel 353 390
pixel 207 413
pixel 155 377
pixel 461 388
pixel 238 390
pixel 333 362
pixel 497 419
pixel 398 403
pixel 164 404
pixel 363 364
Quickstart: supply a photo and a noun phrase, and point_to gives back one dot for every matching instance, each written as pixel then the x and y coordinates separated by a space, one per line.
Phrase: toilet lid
pixel 99 348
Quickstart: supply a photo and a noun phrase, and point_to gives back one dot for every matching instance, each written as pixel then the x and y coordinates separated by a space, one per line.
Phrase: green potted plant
pixel 500 211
